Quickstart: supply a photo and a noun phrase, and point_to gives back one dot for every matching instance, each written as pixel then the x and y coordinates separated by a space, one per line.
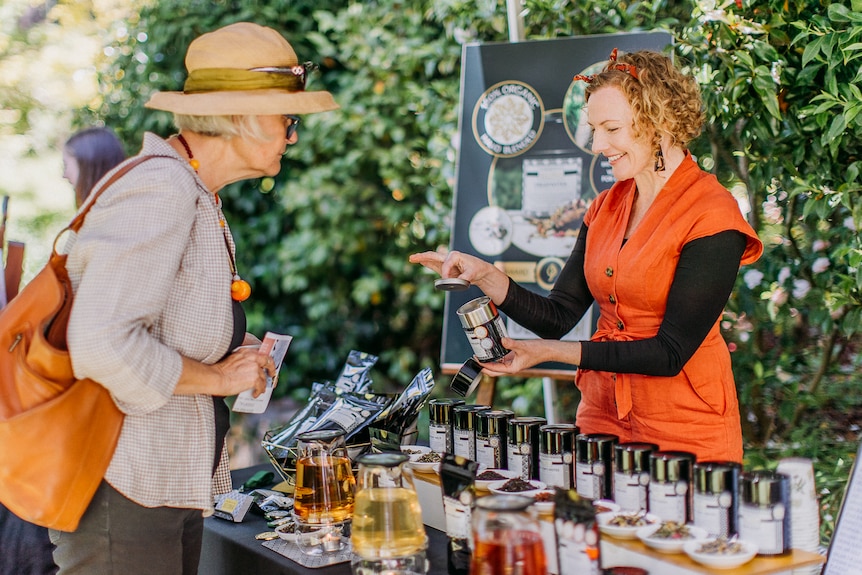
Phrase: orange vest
pixel 696 410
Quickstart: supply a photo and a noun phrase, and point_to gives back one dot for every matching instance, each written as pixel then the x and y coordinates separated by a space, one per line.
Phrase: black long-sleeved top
pixel 703 281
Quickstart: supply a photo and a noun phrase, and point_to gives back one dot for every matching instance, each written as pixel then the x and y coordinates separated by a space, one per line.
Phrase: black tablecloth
pixel 231 549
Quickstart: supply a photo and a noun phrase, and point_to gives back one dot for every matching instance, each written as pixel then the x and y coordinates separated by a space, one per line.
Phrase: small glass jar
pixel 388 535
pixel 506 536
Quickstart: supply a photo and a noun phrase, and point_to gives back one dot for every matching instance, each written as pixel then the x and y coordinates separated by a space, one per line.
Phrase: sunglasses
pixel 293 123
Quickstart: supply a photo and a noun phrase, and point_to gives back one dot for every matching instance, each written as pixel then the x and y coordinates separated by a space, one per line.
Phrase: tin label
pixel 464 443
pixel 485 340
pixel 589 479
pixel 440 438
pixel 669 501
pixel 630 491
pixel 712 512
pixel 763 526
pixel 554 471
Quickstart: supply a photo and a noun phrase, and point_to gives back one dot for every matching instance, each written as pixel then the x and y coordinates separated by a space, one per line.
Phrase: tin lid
pixel 716 477
pixel 467 379
pixel 671 466
pixel 477 312
pixel 465 415
pixel 440 410
pixel 503 503
pixel 633 457
pixel 492 422
pixel 592 447
pixel 451 284
pixel 764 488
pixel 558 438
pixel 525 429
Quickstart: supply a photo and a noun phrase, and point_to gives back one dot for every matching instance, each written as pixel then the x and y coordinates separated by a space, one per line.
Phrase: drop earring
pixel 659 161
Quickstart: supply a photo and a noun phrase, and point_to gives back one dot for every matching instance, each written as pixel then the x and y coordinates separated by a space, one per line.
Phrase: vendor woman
pixel 659 253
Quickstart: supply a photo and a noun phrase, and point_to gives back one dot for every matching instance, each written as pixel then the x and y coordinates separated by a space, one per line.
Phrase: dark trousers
pixel 117 536
pixel 24 547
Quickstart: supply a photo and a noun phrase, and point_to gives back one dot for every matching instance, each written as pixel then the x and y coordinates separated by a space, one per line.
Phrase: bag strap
pixel 78 221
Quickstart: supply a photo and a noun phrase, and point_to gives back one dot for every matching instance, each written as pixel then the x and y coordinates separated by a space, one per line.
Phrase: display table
pixel 620 552
pixel 231 549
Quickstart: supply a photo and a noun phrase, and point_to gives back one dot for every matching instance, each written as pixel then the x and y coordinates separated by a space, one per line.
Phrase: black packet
pixel 457 481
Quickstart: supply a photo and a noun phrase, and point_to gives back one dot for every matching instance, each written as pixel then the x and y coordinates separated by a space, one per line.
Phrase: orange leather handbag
pixel 57 433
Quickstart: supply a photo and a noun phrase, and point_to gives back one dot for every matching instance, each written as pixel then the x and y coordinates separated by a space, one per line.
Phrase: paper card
pixel 275 345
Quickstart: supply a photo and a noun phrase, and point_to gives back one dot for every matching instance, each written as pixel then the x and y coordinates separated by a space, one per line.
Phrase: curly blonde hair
pixel 662 98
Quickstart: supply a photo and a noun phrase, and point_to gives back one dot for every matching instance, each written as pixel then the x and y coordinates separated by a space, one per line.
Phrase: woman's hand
pixel 245 368
pixel 526 353
pixel 492 281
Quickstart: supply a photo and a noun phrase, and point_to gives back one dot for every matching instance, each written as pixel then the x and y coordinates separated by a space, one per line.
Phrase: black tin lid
pixel 440 410
pixel 764 488
pixel 558 438
pixel 716 477
pixel 465 415
pixel 671 466
pixel 525 429
pixel 467 379
pixel 592 447
pixel 633 457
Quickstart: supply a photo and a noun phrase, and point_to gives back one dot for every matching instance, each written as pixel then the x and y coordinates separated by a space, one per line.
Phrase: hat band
pixel 234 80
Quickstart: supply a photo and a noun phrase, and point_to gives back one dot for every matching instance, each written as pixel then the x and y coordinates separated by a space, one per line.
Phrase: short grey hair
pixel 227 127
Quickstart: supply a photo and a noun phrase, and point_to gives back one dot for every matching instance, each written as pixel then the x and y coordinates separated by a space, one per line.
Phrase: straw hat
pixel 243 69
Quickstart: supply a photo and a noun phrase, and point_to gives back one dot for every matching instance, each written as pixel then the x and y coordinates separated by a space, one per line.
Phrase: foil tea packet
pixel 397 424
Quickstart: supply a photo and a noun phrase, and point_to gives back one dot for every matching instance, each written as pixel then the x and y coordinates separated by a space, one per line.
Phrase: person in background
pixel 659 253
pixel 87 156
pixel 158 318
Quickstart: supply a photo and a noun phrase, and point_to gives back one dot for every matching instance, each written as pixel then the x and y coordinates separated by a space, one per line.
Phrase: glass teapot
pixel 325 484
pixel 388 534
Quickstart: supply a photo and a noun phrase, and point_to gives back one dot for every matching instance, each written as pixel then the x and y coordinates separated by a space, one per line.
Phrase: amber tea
pixel 387 523
pixel 324 489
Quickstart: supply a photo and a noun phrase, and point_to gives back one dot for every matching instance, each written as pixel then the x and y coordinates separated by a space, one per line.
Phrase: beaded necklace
pixel 240 290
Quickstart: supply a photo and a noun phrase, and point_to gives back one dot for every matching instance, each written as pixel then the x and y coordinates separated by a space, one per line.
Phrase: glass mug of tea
pixel 324 493
pixel 506 537
pixel 387 532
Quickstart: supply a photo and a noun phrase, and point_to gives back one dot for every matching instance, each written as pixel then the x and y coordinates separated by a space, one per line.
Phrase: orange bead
pixel 240 290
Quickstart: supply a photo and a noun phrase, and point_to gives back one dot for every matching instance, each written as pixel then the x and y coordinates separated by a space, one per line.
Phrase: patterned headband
pixel 612 65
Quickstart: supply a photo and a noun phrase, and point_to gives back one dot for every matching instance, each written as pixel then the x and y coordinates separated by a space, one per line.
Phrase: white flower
pixel 801 288
pixel 849 223
pixel 752 278
pixel 820 265
pixel 819 245
pixel 783 275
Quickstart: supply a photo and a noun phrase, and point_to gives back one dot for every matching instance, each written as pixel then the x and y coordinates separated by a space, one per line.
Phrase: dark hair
pixel 96 150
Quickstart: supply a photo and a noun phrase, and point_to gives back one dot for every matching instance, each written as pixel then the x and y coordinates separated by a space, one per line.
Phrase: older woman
pixel 157 317
pixel 659 253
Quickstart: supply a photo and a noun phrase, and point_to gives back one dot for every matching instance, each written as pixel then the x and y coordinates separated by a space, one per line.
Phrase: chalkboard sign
pixel 843 556
pixel 525 171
